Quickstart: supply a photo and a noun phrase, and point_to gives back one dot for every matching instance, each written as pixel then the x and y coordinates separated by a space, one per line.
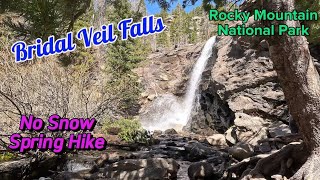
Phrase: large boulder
pixel 197 151
pixel 13 169
pixel 241 151
pixel 217 140
pixel 250 129
pixel 247 129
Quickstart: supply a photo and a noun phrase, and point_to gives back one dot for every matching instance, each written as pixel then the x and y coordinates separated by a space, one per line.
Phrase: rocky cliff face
pixel 166 72
pixel 240 79
pixel 239 84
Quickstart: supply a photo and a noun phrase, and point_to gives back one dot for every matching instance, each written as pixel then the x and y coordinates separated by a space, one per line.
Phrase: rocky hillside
pixel 238 82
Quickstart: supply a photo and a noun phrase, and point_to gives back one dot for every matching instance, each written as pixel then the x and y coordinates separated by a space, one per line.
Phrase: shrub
pixel 129 130
pixel 7 156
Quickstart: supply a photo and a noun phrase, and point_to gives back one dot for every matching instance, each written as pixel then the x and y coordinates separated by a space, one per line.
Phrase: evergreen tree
pixel 176 28
pixel 122 57
pixel 42 18
pixel 163 38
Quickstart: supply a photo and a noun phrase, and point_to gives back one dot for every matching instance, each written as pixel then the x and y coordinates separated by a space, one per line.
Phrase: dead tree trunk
pixel 301 85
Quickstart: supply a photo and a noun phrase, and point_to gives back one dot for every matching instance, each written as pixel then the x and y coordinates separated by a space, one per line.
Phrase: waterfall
pixel 168 111
pixel 195 77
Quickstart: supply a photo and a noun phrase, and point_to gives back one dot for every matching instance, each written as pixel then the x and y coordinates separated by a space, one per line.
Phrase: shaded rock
pixel 68 176
pixel 100 162
pixel 144 173
pixel 293 125
pixel 265 147
pixel 113 130
pixel 231 135
pixel 44 178
pixel 158 168
pixel 73 175
pixel 13 169
pixel 279 129
pixel 170 132
pixel 264 45
pixel 201 170
pixel 21 169
pixel 241 151
pixel 217 140
pixel 198 151
pixel 157 133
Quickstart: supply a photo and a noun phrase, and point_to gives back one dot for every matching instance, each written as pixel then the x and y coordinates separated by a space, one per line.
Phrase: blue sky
pixel 153 8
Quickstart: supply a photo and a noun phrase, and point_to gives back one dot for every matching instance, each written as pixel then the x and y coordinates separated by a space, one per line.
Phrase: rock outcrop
pixel 239 81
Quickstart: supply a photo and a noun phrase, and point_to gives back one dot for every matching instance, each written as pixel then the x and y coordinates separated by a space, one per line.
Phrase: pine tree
pixel 176 30
pixel 42 18
pixel 122 57
pixel 163 38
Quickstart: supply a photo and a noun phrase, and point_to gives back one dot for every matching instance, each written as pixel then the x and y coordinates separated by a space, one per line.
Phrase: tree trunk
pixel 300 82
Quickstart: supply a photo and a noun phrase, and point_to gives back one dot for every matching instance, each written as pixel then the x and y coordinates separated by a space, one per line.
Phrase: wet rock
pixel 217 140
pixel 69 176
pixel 85 174
pixel 158 168
pixel 241 151
pixel 197 151
pixel 279 129
pixel 144 173
pixel 13 169
pixel 201 170
pixel 100 162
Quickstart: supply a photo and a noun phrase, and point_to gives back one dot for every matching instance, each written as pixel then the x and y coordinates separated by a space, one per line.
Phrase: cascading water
pixel 168 111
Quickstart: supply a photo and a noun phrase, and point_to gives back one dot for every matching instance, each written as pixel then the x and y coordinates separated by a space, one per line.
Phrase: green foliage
pixel 82 56
pixel 184 28
pixel 122 57
pixel 207 4
pixel 302 5
pixel 129 130
pixel 7 156
pixel 163 39
pixel 42 18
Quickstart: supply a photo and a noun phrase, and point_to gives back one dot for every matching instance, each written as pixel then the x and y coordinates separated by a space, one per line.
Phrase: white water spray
pixel 168 111
pixel 196 75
